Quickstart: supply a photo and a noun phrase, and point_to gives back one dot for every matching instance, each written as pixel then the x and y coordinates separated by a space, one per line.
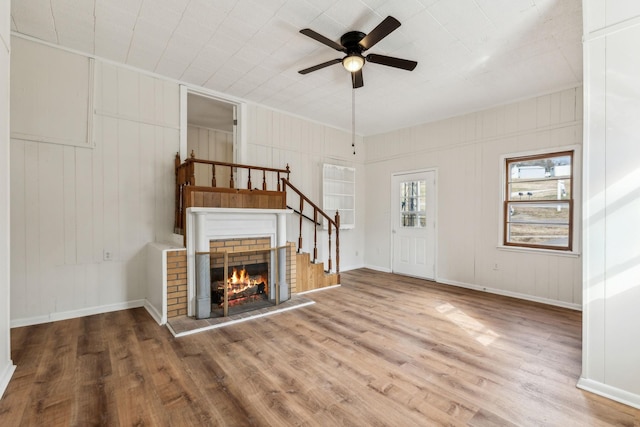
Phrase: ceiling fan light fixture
pixel 353 62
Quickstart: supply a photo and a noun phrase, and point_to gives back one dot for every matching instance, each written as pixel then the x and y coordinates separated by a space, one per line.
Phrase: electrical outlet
pixel 107 255
pixel 496 267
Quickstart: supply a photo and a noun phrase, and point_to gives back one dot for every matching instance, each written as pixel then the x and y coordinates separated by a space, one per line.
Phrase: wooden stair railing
pixel 332 223
pixel 186 176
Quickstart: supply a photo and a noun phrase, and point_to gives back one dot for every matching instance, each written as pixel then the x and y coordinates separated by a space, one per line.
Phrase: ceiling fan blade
pixel 320 66
pixel 390 61
pixel 322 39
pixel 356 79
pixel 378 33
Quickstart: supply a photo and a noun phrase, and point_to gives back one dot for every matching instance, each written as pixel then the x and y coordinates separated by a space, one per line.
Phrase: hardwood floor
pixel 382 350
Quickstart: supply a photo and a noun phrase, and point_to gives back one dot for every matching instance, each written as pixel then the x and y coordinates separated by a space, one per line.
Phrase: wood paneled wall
pixel 466 151
pixel 210 144
pixel 611 257
pixel 80 217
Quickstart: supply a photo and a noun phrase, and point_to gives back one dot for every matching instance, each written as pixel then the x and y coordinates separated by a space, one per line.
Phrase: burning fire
pixel 240 281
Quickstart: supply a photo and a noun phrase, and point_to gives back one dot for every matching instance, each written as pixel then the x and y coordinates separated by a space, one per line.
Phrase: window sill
pixel 569 254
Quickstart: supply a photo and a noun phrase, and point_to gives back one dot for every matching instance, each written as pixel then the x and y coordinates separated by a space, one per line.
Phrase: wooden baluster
pixel 300 236
pixel 176 212
pixel 329 260
pixel 213 175
pixel 249 180
pixel 181 209
pixel 191 169
pixel 338 245
pixel 264 180
pixel 231 182
pixel 279 182
pixel 315 235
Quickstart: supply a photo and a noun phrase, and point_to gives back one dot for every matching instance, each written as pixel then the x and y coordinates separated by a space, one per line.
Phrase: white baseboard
pixel 6 377
pixel 350 267
pixel 64 315
pixel 154 313
pixel 609 392
pixel 518 295
pixel 378 268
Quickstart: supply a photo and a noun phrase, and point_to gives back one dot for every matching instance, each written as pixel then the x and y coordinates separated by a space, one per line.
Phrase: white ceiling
pixel 471 54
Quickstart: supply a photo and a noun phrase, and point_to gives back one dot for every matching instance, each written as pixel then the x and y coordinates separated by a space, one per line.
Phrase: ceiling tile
pixel 402 11
pixel 168 66
pixel 160 16
pixel 132 7
pixel 35 18
pixel 297 14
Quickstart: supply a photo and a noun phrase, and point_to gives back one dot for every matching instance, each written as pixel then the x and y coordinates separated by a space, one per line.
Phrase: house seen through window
pixel 538 202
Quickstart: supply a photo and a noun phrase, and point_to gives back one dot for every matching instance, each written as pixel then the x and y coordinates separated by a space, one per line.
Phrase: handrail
pixel 185 172
pixel 237 165
pixel 186 176
pixel 331 223
pixel 297 212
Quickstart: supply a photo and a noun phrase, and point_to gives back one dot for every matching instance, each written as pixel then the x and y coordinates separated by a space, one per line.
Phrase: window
pixel 413 202
pixel 538 205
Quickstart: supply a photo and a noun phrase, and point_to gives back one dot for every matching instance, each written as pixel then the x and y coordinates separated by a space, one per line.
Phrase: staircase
pixel 310 274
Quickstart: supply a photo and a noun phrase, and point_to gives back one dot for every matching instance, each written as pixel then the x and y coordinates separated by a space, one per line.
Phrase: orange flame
pixel 240 281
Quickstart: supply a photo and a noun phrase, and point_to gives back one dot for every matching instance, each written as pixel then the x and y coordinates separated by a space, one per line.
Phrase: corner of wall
pixel 6 365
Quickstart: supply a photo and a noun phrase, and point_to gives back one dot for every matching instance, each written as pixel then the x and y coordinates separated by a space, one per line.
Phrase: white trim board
pixel 609 392
pixel 517 295
pixel 153 312
pixel 64 315
pixel 6 377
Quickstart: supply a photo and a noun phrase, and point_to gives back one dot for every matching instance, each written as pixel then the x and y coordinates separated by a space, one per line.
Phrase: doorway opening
pixel 208 129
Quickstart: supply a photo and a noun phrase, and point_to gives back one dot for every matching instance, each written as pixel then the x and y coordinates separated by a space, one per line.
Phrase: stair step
pixel 311 276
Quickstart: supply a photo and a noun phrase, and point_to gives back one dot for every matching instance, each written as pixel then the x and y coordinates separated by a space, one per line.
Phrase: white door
pixel 413 228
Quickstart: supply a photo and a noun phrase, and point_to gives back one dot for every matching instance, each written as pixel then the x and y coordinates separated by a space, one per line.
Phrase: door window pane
pixel 413 203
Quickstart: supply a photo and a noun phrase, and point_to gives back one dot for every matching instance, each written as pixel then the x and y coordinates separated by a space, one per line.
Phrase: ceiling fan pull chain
pixel 353 120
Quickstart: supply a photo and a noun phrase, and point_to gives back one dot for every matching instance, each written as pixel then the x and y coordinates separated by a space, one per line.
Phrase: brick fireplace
pixel 249 237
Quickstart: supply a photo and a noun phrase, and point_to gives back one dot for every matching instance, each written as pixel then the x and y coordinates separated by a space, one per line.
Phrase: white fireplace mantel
pixel 206 224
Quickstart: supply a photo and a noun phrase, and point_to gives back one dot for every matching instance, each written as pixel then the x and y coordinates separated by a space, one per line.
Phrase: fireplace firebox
pixel 247 286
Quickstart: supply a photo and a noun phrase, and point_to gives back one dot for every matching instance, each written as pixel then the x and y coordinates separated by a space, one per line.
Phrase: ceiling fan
pixel 354 43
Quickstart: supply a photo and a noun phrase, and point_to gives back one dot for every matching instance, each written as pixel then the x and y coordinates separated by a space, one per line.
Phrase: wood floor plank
pixel 381 350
